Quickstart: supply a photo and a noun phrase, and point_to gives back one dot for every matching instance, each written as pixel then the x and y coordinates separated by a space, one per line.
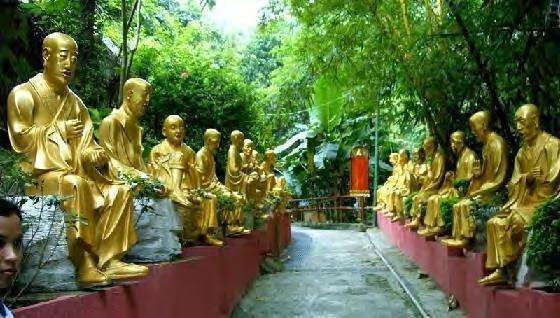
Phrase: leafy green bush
pixel 461 185
pixel 407 204
pixel 446 210
pixel 543 248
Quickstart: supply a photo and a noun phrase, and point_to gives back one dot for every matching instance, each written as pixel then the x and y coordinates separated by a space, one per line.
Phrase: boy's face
pixel 10 248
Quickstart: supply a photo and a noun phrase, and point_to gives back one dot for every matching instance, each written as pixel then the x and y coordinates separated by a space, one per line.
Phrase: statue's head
pixel 430 146
pixel 174 129
pixel 527 121
pixel 11 250
pixel 393 158
pixel 404 156
pixel 457 142
pixel 248 147
pixel 137 93
pixel 480 125
pixel 269 156
pixel 237 138
pixel 60 56
pixel 212 139
pixel 419 155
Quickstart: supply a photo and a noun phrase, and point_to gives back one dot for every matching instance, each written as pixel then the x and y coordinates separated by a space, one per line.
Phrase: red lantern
pixel 359 172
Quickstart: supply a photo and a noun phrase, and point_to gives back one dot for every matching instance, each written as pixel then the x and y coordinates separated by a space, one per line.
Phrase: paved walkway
pixel 336 273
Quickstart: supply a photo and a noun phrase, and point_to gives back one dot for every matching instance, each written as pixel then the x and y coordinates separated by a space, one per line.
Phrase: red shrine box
pixel 207 283
pixel 457 274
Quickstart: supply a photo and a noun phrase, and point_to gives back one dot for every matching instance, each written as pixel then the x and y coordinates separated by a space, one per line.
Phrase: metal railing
pixel 334 207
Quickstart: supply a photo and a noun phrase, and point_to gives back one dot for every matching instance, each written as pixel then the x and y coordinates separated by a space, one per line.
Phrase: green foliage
pixel 483 211
pixel 407 204
pixel 462 186
pixel 446 210
pixel 225 206
pixel 12 179
pixel 543 247
pixel 144 186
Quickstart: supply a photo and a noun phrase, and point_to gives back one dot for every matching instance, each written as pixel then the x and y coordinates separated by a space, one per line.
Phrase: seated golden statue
pixel 120 133
pixel 234 175
pixel 536 176
pixel 420 168
pixel 267 167
pixel 381 194
pixel 281 190
pixel 50 125
pixel 402 188
pixel 173 163
pixel 250 168
pixel 431 184
pixel 488 178
pixel 206 168
pixel 463 171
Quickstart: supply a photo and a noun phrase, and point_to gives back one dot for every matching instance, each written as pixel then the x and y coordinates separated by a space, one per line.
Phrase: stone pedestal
pixel 45 267
pixel 158 227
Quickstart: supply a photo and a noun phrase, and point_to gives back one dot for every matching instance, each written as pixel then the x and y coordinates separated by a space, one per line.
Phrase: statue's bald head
pixel 56 40
pixel 480 125
pixel 527 121
pixel 60 56
pixel 457 141
pixel 269 155
pixel 458 136
pixel 173 120
pixel 237 138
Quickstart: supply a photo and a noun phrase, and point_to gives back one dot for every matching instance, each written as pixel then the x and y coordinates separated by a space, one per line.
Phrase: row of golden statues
pixel 50 125
pixel 535 177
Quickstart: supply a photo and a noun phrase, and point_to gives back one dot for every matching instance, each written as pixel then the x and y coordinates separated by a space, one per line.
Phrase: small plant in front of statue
pixel 483 211
pixel 407 204
pixel 146 187
pixel 200 193
pixel 543 247
pixel 446 210
pixel 225 206
pixel 272 201
pixel 462 186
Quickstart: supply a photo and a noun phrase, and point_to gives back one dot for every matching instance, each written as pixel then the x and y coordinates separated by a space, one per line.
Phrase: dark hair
pixel 7 208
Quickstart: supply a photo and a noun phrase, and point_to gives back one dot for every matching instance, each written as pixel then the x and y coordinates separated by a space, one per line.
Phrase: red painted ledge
pixel 457 274
pixel 207 282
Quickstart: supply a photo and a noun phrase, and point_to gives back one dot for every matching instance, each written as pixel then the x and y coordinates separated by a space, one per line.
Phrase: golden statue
pixel 50 125
pixel 250 168
pixel 234 175
pixel 173 163
pixel 420 167
pixel 403 187
pixel 536 176
pixel 206 168
pixel 120 133
pixel 267 167
pixel 431 184
pixel 488 177
pixel 463 171
pixel 385 189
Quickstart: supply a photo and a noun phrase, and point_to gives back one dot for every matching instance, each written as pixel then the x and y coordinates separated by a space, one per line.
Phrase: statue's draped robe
pixel 403 187
pixel 234 175
pixel 431 184
pixel 463 171
pixel 385 189
pixel 61 167
pixel 492 177
pixel 121 137
pixel 197 219
pixel 506 231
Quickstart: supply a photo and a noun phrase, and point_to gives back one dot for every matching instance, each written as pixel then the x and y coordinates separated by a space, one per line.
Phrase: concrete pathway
pixel 334 273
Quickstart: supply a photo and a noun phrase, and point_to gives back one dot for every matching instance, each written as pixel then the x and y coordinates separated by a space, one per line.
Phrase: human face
pixel 60 62
pixel 212 144
pixel 139 98
pixel 403 158
pixel 478 130
pixel 248 148
pixel 10 248
pixel 174 131
pixel 429 147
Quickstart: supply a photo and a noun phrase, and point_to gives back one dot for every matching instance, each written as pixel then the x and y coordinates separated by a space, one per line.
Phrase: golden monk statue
pixel 206 168
pixel 431 184
pixel 488 177
pixel 463 171
pixel 120 133
pixel 250 168
pixel 420 167
pixel 383 191
pixel 267 167
pixel 51 126
pixel 173 163
pixel 403 187
pixel 234 175
pixel 536 176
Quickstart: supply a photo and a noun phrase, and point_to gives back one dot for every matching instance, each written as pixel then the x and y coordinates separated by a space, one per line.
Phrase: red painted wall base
pixel 457 274
pixel 208 282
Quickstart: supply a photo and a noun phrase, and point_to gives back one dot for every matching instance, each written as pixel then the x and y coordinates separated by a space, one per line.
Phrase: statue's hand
pixel 97 157
pixel 74 128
